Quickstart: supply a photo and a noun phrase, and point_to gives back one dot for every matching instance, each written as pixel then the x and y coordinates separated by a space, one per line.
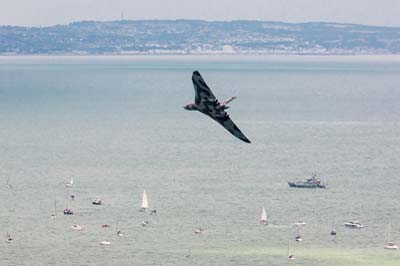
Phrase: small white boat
pixel 70 183
pixel 353 224
pixel 105 242
pixel 97 201
pixel 263 217
pixel 199 231
pixel 300 223
pixel 145 223
pixel 76 227
pixel 119 233
pixel 389 244
pixel 145 202
pixel 68 211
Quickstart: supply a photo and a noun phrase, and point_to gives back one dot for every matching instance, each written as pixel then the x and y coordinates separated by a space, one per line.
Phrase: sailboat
pixel 189 254
pixel 263 217
pixel 119 232
pixel 67 210
pixel 54 215
pixel 70 183
pixel 388 243
pixel 333 231
pixel 290 256
pixel 9 239
pixel 145 202
pixel 298 236
pixel 9 186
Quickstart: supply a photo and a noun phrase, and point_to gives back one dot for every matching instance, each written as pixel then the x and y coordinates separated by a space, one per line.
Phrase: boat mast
pixel 333 231
pixel 388 235
pixel 298 230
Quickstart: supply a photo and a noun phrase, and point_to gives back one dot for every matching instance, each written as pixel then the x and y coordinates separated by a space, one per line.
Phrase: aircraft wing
pixel 202 91
pixel 228 124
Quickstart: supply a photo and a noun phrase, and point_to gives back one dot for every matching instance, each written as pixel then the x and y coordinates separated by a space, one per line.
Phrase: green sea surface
pixel 116 124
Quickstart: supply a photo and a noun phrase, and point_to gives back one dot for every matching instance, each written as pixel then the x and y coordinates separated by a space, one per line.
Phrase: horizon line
pixel 201 20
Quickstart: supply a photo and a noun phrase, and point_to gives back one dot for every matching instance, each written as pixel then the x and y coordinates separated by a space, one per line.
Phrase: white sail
pixel 145 202
pixel 9 239
pixel 70 183
pixel 298 236
pixel 263 216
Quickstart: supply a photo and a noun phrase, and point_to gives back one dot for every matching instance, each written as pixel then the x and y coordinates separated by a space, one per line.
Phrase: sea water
pixel 116 124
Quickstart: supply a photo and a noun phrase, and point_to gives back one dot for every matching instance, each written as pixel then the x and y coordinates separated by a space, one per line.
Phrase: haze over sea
pixel 116 124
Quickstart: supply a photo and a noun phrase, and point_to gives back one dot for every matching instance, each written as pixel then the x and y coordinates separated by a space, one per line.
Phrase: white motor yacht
pixel 97 201
pixel 353 224
pixel 199 231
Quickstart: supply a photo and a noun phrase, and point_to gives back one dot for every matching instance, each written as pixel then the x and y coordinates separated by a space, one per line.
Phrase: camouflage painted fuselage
pixel 206 103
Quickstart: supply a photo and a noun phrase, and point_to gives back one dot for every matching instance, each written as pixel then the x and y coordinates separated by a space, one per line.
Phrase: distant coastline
pixel 197 37
pixel 220 57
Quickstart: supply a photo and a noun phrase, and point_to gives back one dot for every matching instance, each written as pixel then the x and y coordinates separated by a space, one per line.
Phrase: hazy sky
pixel 50 12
